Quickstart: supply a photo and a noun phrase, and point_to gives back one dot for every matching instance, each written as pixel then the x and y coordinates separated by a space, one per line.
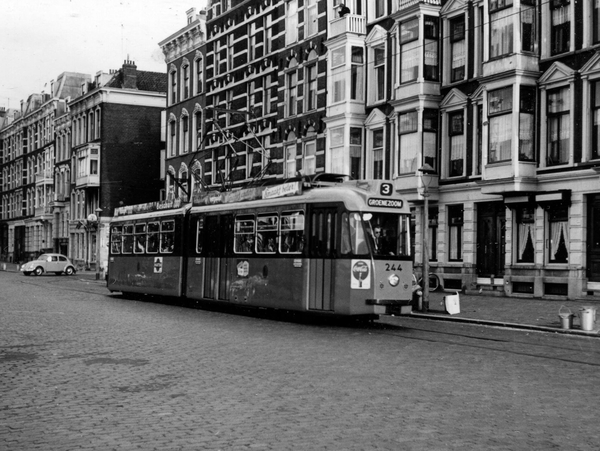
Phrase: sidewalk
pixel 520 313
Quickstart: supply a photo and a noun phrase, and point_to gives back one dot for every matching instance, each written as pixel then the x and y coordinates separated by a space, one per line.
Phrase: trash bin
pixel 588 317
pixel 452 303
pixel 566 317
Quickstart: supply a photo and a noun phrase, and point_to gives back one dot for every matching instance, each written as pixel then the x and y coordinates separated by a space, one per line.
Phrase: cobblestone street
pixel 82 369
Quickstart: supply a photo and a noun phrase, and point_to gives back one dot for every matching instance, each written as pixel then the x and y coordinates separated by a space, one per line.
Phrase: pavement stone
pixel 500 311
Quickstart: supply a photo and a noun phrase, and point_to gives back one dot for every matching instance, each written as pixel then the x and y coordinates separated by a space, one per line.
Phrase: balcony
pixel 350 23
pixel 87 181
pixel 406 3
pixel 43 213
pixel 44 177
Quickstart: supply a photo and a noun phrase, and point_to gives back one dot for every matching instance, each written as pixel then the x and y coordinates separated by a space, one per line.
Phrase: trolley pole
pixel 426 177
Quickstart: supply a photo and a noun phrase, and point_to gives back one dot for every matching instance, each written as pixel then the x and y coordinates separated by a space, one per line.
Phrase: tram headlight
pixel 394 280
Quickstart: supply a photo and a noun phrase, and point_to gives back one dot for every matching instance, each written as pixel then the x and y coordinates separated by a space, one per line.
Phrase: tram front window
pixel 383 234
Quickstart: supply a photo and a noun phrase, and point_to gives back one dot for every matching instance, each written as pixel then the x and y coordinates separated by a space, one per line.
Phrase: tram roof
pixel 376 195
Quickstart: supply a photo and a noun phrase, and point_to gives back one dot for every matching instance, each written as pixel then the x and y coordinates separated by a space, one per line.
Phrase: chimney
pixel 129 75
pixel 2 112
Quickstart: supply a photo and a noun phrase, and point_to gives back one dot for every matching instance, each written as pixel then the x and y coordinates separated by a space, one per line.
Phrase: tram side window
pixel 128 238
pixel 243 239
pixel 266 233
pixel 292 232
pixel 140 238
pixel 167 237
pixel 153 237
pixel 116 238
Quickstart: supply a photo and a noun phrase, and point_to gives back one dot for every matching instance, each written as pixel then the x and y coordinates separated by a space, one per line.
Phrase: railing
pixel 350 23
pixel 406 3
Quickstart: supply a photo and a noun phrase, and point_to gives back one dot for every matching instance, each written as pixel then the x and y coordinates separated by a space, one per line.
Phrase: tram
pixel 328 246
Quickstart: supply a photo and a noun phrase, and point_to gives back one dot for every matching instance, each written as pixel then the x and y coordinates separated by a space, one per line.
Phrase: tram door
pixel 219 232
pixel 593 239
pixel 490 239
pixel 321 264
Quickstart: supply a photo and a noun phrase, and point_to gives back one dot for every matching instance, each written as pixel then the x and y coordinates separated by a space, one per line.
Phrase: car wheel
pixel 38 271
pixel 69 271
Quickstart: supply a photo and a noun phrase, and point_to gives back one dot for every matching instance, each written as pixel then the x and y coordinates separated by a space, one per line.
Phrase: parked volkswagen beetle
pixel 56 263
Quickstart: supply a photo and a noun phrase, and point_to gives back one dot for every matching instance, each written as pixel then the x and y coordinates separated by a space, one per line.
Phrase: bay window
pixel 338 74
pixel 500 105
pixel 528 27
pixel 527 123
pixel 410 48
pixel 430 129
pixel 408 142
pixel 357 74
pixel 559 130
pixel 431 57
pixel 501 31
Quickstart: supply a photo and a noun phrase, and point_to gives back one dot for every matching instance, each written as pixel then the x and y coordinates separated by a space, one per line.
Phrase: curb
pixel 592 333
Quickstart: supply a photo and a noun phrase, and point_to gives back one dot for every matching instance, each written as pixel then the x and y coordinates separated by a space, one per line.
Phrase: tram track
pixel 554 350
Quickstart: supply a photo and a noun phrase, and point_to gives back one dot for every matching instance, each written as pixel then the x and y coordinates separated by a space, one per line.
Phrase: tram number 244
pixel 393 267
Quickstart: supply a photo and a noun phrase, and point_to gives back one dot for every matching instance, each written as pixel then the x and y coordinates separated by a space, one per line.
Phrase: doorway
pixel 491 227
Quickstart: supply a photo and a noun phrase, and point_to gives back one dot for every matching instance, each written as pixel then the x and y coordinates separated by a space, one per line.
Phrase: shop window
pixel 525 222
pixel 558 234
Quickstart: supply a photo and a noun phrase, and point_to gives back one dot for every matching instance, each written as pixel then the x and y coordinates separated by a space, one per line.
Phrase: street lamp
pixel 427 173
pixel 98 235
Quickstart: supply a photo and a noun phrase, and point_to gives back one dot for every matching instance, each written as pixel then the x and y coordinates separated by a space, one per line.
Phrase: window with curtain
pixel 431 57
pixel 596 21
pixel 355 152
pixel 379 66
pixel 528 28
pixel 455 228
pixel 338 74
pixel 377 151
pixel 357 74
pixel 560 26
pixel 199 75
pixel 456 132
pixel 336 148
pixel 527 123
pixel 558 231
pixel 185 134
pixel 430 129
pixel 457 49
pixel 290 156
pixel 595 105
pixel 408 141
pixel 292 92
pixel 410 49
pixel 173 87
pixel 311 87
pixel 500 105
pixel 310 17
pixel 501 33
pixel 525 221
pixel 291 22
pixel 559 132
pixel 310 160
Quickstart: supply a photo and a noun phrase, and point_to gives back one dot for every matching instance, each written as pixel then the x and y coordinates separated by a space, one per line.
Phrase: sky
pixel 40 39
